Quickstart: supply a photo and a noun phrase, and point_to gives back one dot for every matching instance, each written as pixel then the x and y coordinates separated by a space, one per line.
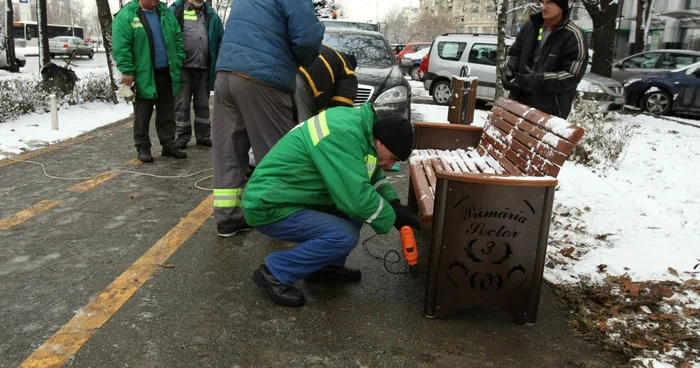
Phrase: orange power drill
pixel 410 251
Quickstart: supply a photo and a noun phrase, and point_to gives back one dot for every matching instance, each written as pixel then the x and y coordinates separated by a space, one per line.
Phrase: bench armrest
pixel 496 179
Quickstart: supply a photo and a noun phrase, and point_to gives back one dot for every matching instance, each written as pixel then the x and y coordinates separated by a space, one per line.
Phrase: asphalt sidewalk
pixel 127 270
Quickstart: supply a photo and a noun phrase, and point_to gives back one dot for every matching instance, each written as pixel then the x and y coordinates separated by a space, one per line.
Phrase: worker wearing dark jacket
pixel 329 82
pixel 202 31
pixel 317 186
pixel 547 60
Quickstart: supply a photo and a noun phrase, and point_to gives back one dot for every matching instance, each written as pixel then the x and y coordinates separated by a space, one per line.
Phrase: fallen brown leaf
pixel 167 265
pixel 602 267
pixel 567 252
pixel 603 326
pixel 672 271
pixel 603 236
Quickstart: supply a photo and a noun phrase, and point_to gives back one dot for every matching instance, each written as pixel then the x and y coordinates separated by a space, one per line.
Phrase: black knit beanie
pixel 563 4
pixel 396 133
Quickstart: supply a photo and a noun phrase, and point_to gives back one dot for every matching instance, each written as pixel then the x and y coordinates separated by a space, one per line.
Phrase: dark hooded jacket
pixel 562 63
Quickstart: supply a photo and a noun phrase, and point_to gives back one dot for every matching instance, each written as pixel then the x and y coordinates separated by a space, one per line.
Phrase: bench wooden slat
pixel 479 161
pixel 570 132
pixel 460 162
pixel 534 137
pixel 447 161
pixel 425 198
pixel 498 153
pixel 469 162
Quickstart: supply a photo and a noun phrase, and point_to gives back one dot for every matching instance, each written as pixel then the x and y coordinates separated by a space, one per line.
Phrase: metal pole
pixel 54 112
pixel 72 22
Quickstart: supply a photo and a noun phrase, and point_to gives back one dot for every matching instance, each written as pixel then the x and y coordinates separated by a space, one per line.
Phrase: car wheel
pixel 658 102
pixel 414 73
pixel 91 54
pixel 53 56
pixel 442 93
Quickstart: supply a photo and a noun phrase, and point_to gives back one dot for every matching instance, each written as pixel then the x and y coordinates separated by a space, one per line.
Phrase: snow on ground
pixel 81 66
pixel 34 131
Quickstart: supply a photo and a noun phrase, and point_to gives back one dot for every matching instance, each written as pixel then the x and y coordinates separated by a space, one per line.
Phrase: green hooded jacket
pixel 328 160
pixel 215 33
pixel 133 50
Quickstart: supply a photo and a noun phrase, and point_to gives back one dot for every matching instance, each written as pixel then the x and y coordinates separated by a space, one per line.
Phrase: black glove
pixel 405 218
pixel 508 80
pixel 528 81
pixel 396 203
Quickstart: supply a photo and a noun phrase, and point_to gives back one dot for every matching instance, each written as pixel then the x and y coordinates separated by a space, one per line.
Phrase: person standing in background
pixel 148 52
pixel 264 43
pixel 202 31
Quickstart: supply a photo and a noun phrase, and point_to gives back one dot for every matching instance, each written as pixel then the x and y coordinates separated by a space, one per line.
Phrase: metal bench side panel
pixel 489 247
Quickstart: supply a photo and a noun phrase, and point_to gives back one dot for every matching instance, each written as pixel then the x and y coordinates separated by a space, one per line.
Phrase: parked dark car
pixel 380 81
pixel 653 62
pixel 677 91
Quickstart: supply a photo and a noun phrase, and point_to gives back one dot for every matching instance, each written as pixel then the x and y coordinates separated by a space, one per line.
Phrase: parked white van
pixel 451 51
pixel 19 56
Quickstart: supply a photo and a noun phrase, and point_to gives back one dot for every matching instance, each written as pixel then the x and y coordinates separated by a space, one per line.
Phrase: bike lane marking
pixel 27 213
pixel 59 348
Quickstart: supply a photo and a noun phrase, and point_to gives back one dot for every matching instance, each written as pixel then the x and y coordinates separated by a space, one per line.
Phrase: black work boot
pixel 335 273
pixel 204 142
pixel 227 232
pixel 173 152
pixel 181 144
pixel 282 294
pixel 145 154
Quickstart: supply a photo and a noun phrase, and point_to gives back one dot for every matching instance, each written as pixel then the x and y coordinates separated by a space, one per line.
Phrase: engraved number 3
pixel 489 248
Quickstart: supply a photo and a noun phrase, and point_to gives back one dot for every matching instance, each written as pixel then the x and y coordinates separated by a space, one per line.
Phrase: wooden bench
pixel 488 193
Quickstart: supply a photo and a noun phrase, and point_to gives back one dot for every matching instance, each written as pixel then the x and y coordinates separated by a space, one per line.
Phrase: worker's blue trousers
pixel 323 239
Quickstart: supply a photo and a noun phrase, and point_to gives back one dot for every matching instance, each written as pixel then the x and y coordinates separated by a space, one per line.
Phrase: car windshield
pixel 369 50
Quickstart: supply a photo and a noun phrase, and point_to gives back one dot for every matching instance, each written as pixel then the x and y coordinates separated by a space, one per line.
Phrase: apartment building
pixel 472 16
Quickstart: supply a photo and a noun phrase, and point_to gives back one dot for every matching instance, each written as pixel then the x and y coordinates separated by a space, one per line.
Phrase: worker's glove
pixel 528 81
pixel 508 80
pixel 396 203
pixel 126 92
pixel 404 217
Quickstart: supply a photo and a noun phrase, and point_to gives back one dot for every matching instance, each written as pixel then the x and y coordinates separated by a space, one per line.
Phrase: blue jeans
pixel 323 239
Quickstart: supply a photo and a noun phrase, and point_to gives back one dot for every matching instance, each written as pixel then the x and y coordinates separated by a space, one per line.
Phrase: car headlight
pixel 590 87
pixel 630 81
pixel 393 95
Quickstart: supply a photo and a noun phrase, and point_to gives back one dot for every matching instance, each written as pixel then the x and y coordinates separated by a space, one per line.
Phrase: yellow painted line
pixel 26 214
pixel 60 347
pixel 91 183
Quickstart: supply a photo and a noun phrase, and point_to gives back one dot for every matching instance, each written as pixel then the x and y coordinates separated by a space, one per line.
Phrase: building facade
pixel 472 16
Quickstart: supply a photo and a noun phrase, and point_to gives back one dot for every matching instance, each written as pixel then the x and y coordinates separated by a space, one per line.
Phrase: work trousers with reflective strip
pixel 323 239
pixel 246 114
pixel 194 89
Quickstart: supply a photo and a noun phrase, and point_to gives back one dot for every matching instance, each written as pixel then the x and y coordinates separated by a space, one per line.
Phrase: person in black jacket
pixel 329 82
pixel 547 60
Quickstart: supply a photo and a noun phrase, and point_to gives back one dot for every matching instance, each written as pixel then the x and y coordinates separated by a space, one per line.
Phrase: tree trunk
pixel 105 15
pixel 10 43
pixel 501 62
pixel 121 4
pixel 638 34
pixel 603 14
pixel 44 55
pixel 649 12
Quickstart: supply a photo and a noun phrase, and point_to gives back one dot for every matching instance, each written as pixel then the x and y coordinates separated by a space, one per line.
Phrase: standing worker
pixel 547 60
pixel 264 43
pixel 316 188
pixel 148 52
pixel 202 31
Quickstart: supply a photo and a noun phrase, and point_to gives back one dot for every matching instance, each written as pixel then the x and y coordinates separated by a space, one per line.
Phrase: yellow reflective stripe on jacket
pixel 539 36
pixel 311 82
pixel 371 164
pixel 377 212
pixel 227 198
pixel 328 66
pixel 189 15
pixel 342 99
pixel 136 23
pixel 348 71
pixel 318 127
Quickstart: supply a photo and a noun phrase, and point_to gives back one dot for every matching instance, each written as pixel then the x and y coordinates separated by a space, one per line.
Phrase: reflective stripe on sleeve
pixel 377 212
pixel 380 183
pixel 318 128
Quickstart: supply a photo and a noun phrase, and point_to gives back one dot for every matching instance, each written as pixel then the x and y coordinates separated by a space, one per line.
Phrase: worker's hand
pixel 528 81
pixel 396 203
pixel 508 80
pixel 404 217
pixel 128 80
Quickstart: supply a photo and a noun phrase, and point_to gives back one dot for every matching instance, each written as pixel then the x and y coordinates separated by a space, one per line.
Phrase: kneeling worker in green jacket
pixel 317 186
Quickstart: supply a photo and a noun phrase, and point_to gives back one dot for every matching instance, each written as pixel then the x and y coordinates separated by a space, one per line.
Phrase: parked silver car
pixel 452 51
pixel 653 62
pixel 70 46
